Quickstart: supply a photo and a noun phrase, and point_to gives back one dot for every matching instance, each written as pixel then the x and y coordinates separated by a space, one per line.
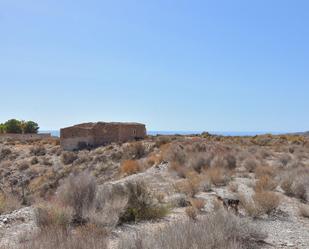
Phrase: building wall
pixel 97 134
pixel 72 137
pixel 131 131
pixel 24 137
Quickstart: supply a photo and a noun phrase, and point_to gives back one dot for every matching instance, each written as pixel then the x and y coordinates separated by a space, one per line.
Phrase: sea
pixel 56 133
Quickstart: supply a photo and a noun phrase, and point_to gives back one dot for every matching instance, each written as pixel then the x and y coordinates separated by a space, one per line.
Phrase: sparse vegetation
pixel 90 192
pixel 218 230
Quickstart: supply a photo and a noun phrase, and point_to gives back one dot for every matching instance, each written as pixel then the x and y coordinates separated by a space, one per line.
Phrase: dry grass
pixel 129 167
pixel 219 230
pixel 86 237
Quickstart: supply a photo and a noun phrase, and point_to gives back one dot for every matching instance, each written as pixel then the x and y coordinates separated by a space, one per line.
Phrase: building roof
pixel 91 125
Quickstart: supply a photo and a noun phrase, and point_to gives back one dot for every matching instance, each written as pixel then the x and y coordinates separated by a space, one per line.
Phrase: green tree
pixel 2 128
pixel 13 126
pixel 30 127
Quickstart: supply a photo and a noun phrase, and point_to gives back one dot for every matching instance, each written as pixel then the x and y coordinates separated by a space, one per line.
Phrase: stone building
pixel 88 135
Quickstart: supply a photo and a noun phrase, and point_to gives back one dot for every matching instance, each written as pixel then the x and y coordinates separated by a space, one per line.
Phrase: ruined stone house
pixel 88 135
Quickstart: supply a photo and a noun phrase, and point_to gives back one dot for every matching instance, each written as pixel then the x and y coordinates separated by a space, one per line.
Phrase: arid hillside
pixel 177 192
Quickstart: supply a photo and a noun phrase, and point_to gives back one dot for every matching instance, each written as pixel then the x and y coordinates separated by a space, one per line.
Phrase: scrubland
pixel 161 192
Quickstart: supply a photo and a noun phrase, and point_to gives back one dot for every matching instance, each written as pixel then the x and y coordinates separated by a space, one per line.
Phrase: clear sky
pixel 218 65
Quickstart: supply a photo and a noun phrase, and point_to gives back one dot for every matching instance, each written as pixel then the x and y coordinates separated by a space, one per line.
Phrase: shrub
pixel 198 204
pixel 250 164
pixel 38 150
pixel 233 187
pixel 78 192
pixel 23 165
pixel 266 201
pixel 264 170
pixel 53 214
pixel 265 183
pixel 218 230
pixel 34 160
pixel 217 176
pixel 142 205
pixel 296 184
pixel 135 150
pixel 8 203
pixel 190 186
pixel 129 167
pixel 191 212
pixel 5 152
pixel 175 154
pixel 304 210
pixel 68 157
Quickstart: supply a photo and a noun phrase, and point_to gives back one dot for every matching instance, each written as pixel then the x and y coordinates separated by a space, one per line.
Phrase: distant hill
pixel 306 133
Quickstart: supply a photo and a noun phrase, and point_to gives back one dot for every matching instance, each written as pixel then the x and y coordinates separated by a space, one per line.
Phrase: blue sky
pixel 175 65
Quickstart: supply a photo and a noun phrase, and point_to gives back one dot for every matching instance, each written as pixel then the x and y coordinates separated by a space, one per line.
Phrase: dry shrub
pixel 78 192
pixel 304 210
pixel 198 204
pixel 226 161
pixel 38 150
pixel 180 170
pixel 233 187
pixel 85 237
pixel 53 215
pixel 129 167
pixel 142 204
pixel 154 159
pixel 189 186
pixel 285 159
pixel 265 183
pixel 250 164
pixel 23 165
pixel 135 150
pixel 5 152
pixel 287 185
pixel 175 154
pixel 217 176
pixel 8 203
pixel 296 184
pixel 262 203
pixel 191 212
pixel 68 157
pixel 218 230
pixel 199 161
pixel 266 201
pixel 161 140
pixel 264 170
pixel 34 160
